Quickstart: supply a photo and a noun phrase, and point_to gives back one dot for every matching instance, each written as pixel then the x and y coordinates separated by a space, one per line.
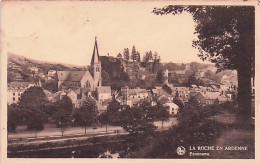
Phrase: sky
pixel 65 31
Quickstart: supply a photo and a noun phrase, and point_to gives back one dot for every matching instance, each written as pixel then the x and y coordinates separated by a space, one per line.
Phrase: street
pixel 50 130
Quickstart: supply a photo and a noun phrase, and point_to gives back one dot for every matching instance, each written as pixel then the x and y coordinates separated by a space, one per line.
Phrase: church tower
pixel 96 66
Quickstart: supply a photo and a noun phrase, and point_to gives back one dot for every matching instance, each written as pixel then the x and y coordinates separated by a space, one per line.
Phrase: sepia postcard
pixel 143 80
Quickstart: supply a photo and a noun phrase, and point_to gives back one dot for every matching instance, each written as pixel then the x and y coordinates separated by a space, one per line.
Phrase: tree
pixel 136 121
pixel 113 109
pixel 126 54
pixel 193 80
pixel 194 67
pixel 63 113
pixel 111 115
pixel 178 101
pixel 133 54
pixel 14 116
pixel 167 89
pixel 138 57
pixel 228 41
pixel 104 119
pixel 162 113
pixel 51 86
pixel 86 114
pixel 32 105
pixel 160 78
pixel 212 76
pixel 105 78
pixel 119 56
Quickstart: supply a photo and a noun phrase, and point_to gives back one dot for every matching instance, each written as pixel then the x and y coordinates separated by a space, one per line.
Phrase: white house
pixel 103 93
pixel 172 107
pixel 15 90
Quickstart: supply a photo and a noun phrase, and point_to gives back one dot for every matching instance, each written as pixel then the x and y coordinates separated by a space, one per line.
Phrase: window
pixel 87 84
pixel 13 94
pixel 19 94
pixel 13 98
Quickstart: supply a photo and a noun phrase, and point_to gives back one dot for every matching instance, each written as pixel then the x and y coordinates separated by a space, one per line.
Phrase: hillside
pixel 19 68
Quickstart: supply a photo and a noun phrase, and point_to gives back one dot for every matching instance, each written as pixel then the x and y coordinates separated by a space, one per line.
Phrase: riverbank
pixel 28 149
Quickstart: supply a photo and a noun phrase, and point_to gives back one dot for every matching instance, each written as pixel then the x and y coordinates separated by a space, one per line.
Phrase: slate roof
pixel 211 95
pixel 63 75
pixel 76 76
pixel 73 76
pixel 20 84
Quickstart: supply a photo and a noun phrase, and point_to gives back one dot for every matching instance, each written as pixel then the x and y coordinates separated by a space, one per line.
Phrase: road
pixel 50 130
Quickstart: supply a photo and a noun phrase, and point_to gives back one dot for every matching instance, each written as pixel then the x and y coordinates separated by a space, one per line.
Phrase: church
pixel 88 80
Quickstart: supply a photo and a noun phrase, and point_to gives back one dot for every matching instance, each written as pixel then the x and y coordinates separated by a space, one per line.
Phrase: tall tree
pixel 133 54
pixel 63 113
pixel 138 57
pixel 111 115
pixel 162 113
pixel 86 114
pixel 160 78
pixel 226 37
pixel 126 54
pixel 32 105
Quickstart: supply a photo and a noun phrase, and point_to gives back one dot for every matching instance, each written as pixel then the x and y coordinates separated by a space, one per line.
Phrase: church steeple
pixel 96 65
pixel 95 56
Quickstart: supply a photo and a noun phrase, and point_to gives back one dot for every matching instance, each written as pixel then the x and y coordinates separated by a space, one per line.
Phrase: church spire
pixel 95 56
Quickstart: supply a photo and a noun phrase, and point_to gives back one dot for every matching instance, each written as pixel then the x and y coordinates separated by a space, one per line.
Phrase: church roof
pixel 95 56
pixel 73 76
pixel 62 75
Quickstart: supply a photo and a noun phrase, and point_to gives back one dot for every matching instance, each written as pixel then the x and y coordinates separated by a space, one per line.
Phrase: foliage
pixel 178 102
pixel 119 56
pixel 32 103
pixel 105 78
pixel 126 54
pixel 174 67
pixel 63 113
pixel 113 73
pixel 193 80
pixel 51 86
pixel 212 76
pixel 86 114
pixel 160 78
pixel 136 121
pixel 14 116
pixel 113 110
pixel 228 41
pixel 167 89
pixel 162 113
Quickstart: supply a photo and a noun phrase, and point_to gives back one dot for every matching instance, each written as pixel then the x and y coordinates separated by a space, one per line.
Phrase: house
pixel 172 107
pixel 82 79
pixel 183 92
pixel 161 95
pixel 211 97
pixel 15 90
pixel 132 97
pixel 103 93
pixel 141 93
pixel 34 69
pixel 51 73
pixel 76 101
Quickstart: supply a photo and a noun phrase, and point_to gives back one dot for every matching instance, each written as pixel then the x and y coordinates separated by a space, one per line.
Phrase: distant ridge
pixel 19 58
